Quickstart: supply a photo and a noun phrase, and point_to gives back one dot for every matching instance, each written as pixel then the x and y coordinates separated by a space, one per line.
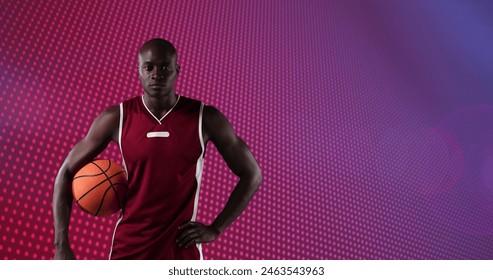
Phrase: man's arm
pixel 103 130
pixel 241 162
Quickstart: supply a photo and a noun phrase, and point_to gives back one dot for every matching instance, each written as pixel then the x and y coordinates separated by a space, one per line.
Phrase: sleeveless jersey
pixel 164 161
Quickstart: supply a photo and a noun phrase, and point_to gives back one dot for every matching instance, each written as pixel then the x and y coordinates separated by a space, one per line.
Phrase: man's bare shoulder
pixel 112 112
pixel 106 124
pixel 211 113
pixel 213 119
pixel 110 117
pixel 217 127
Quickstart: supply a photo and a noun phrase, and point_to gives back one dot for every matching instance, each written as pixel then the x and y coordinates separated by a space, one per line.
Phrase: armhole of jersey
pixel 200 128
pixel 198 176
pixel 120 129
pixel 120 124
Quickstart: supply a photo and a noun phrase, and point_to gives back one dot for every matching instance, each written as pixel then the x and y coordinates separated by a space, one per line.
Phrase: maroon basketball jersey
pixel 164 160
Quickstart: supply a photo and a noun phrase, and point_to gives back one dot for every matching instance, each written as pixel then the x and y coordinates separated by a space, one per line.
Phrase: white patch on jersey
pixel 158 134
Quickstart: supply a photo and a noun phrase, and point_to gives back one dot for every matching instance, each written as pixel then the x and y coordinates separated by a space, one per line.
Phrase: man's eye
pixel 148 68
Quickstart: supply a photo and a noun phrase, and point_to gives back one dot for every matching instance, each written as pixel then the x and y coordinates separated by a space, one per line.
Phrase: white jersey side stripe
pixel 198 174
pixel 120 128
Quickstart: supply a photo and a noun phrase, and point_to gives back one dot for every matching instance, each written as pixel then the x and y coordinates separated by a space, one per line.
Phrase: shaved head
pixel 159 45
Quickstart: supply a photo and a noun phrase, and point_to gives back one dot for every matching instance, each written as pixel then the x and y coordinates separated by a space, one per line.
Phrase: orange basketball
pixel 100 187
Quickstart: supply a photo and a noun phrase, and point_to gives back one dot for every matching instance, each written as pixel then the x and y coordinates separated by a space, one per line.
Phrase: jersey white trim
pixel 120 129
pixel 198 177
pixel 199 247
pixel 198 174
pixel 114 232
pixel 200 128
pixel 157 134
pixel 161 119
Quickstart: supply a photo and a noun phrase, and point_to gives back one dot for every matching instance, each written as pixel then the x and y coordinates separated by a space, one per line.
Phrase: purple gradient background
pixel 372 120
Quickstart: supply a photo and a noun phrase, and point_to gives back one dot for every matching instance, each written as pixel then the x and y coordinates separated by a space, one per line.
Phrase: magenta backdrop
pixel 372 120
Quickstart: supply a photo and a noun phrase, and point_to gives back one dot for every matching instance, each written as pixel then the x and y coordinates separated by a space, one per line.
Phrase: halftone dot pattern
pixel 371 121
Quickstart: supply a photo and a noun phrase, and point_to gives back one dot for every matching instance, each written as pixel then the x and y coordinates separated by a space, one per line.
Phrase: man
pixel 162 138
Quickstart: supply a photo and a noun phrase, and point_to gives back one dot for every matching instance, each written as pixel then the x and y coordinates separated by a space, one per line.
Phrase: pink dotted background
pixel 372 120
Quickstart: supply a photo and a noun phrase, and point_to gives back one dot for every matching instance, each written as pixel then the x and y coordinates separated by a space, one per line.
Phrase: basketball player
pixel 162 137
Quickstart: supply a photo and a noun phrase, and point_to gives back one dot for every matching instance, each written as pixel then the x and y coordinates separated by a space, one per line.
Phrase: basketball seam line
pixel 98 185
pixel 116 184
pixel 106 191
pixel 92 175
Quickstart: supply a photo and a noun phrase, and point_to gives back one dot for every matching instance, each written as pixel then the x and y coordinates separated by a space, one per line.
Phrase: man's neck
pixel 160 103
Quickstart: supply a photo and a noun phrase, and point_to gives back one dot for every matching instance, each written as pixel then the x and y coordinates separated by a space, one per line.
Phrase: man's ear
pixel 177 69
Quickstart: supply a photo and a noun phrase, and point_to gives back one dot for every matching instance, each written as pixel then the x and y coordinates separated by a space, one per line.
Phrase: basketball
pixel 100 187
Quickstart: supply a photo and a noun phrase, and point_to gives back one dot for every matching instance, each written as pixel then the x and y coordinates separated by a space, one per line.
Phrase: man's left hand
pixel 192 233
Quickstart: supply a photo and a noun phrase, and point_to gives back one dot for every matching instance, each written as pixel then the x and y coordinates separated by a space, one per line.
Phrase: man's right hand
pixel 64 253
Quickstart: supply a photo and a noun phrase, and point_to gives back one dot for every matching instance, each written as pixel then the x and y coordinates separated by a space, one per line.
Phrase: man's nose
pixel 157 73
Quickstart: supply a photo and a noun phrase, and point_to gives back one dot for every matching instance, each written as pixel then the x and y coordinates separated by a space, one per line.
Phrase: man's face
pixel 157 71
